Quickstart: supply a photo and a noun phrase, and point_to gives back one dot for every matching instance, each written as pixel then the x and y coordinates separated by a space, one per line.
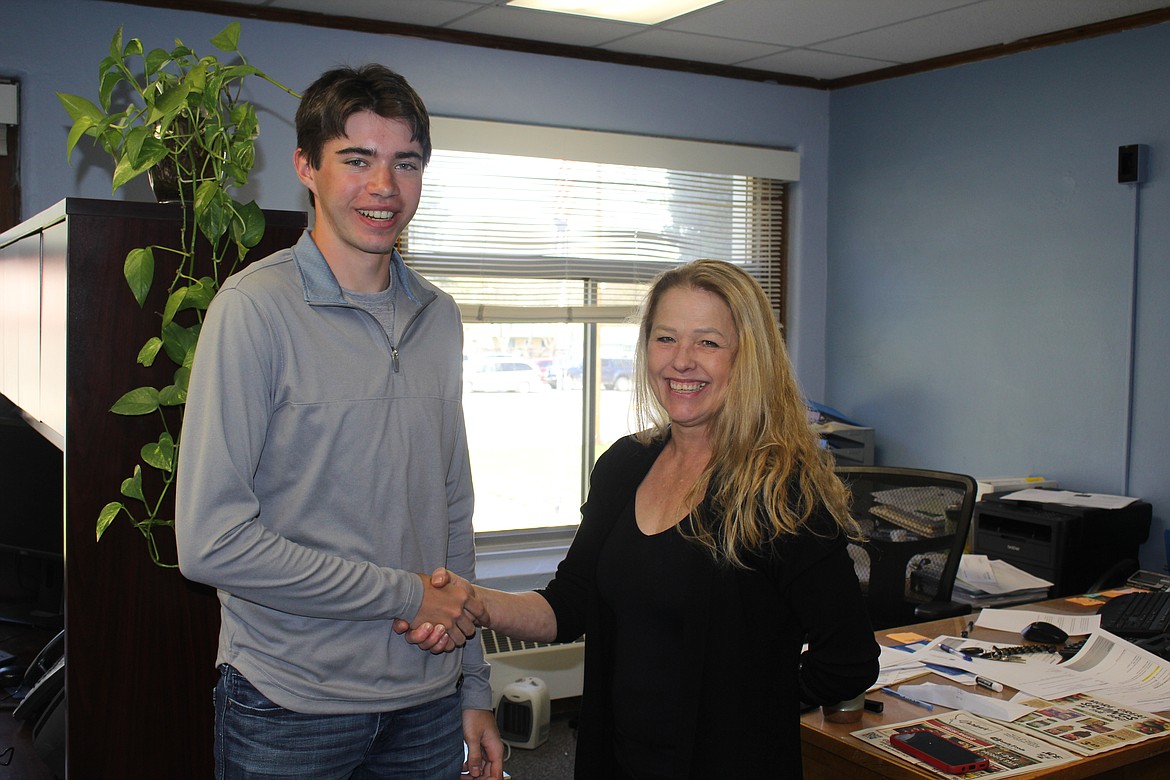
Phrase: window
pixel 548 240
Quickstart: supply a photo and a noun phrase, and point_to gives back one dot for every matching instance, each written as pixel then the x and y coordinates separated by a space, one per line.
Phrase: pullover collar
pixel 321 286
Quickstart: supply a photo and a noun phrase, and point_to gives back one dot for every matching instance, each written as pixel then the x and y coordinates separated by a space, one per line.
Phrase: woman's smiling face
pixel 691 347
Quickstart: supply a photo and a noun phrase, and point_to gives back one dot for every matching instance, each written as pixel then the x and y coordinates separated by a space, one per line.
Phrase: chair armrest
pixel 937 610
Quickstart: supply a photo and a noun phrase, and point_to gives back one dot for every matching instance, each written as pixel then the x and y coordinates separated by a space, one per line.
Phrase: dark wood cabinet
pixel 140 639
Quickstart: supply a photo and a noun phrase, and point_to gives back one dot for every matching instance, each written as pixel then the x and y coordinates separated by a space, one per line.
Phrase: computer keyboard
pixel 1137 615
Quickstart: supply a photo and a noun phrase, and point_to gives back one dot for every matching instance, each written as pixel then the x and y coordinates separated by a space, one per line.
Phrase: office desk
pixel 831 753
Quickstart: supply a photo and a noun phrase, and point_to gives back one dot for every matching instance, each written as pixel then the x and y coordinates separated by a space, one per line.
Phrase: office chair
pixel 916 523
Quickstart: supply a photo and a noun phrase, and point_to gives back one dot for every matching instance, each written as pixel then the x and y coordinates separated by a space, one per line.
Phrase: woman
pixel 711 547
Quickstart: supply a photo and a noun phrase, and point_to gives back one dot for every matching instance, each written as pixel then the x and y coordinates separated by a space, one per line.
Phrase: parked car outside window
pixel 616 374
pixel 502 375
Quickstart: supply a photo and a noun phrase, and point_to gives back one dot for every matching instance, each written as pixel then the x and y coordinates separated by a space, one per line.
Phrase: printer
pixel 1070 546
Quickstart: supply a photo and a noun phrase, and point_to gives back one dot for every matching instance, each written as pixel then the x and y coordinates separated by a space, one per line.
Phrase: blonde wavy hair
pixel 768 473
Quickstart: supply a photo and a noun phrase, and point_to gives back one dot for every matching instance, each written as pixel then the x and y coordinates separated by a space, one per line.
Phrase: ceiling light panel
pixel 637 11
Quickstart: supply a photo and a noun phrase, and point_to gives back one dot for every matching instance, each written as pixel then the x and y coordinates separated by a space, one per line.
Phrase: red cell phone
pixel 939 752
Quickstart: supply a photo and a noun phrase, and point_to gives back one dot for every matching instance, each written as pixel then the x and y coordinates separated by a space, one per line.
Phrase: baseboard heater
pixel 560 665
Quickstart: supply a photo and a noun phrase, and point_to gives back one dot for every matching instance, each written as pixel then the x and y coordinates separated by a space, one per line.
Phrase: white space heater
pixel 523 713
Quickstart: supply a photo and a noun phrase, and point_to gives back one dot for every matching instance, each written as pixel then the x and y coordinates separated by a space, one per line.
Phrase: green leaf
pixel 199 294
pixel 228 39
pixel 123 172
pixel 160 454
pixel 78 108
pixel 133 48
pixel 196 78
pixel 246 120
pixel 174 305
pixel 106 516
pixel 189 360
pixel 210 213
pixel 108 82
pixel 173 395
pixel 178 341
pixel 132 486
pixel 140 152
pixel 139 272
pixel 132 145
pixel 234 174
pixel 156 60
pixel 81 127
pixel 149 351
pixel 150 153
pixel 142 400
pixel 183 375
pixel 253 221
pixel 172 100
pixel 116 45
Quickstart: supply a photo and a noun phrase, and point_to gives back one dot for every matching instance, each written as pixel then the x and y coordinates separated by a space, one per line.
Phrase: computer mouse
pixel 1044 633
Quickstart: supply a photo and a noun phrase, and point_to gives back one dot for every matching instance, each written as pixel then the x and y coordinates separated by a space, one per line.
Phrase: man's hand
pixel 447 590
pixel 452 605
pixel 485 750
pixel 433 639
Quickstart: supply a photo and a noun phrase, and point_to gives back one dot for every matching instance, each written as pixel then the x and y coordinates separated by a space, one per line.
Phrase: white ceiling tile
pixel 544 26
pixel 688 46
pixel 801 22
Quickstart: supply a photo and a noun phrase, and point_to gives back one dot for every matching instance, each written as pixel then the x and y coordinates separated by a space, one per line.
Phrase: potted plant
pixel 179 119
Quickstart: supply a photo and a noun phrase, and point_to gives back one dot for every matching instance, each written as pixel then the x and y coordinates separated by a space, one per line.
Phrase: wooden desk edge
pixel 830 752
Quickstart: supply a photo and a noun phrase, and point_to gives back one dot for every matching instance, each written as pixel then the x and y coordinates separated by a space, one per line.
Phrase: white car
pixel 502 375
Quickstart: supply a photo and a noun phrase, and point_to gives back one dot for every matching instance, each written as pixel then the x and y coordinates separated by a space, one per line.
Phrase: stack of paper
pixel 922 510
pixel 982 582
pixel 998 485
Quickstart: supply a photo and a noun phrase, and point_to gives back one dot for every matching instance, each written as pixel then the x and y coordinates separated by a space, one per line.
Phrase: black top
pixel 636 579
pixel 737 711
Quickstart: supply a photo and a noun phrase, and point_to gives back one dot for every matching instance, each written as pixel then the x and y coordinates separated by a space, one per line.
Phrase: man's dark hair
pixel 338 94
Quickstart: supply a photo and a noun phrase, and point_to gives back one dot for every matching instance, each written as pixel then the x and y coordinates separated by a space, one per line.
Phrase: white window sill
pixel 520 560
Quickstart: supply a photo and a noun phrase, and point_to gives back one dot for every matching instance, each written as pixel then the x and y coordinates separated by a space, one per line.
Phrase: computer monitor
pixel 31 522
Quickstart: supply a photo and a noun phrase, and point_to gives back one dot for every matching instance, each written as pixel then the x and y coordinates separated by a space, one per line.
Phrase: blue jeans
pixel 255 738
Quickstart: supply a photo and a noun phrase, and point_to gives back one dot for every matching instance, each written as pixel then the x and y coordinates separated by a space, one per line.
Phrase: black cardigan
pixel 741 712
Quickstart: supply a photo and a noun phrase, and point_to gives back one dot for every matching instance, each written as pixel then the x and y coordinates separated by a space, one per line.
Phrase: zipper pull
pixel 394 357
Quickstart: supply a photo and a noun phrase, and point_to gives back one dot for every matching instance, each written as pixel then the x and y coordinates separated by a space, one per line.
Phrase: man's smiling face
pixel 367 188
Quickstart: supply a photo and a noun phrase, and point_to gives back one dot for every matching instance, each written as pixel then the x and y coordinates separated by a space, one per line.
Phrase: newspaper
pixel 1088 725
pixel 1008 751
pixel 1128 674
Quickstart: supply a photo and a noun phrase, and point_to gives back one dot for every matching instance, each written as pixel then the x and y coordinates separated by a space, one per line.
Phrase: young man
pixel 324 466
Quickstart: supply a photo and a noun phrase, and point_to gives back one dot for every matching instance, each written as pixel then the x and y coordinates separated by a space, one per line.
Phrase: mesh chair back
pixel 916 524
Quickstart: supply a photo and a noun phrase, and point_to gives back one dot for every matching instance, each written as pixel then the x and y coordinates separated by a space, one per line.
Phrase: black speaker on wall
pixel 1132 161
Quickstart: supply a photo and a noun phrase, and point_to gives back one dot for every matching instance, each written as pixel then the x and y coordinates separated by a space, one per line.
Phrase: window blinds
pixel 543 239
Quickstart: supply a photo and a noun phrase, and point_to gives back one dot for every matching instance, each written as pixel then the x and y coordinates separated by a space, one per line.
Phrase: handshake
pixel 450 612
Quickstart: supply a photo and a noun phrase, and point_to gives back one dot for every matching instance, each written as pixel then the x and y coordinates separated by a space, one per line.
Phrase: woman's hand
pixel 434 637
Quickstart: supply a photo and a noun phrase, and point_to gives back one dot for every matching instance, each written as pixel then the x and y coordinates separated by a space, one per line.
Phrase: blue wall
pixel 981 259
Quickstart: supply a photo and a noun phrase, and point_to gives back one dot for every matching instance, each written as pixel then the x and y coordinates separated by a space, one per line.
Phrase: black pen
pixel 924 704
